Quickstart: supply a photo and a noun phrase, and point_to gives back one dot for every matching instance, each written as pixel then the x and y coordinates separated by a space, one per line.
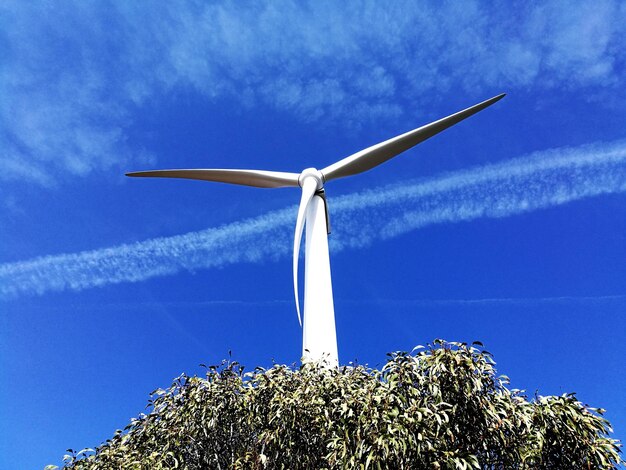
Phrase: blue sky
pixel 509 228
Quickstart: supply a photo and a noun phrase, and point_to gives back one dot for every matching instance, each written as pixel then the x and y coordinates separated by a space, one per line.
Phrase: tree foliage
pixel 440 407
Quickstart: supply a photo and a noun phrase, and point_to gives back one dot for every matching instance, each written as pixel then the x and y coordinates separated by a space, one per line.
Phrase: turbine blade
pixel 375 155
pixel 309 186
pixel 257 178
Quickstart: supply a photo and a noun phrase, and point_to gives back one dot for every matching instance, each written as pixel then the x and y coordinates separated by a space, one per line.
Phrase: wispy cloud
pixel 524 301
pixel 75 73
pixel 543 179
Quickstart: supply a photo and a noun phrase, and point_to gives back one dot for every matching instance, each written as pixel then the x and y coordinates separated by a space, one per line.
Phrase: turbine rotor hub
pixel 312 173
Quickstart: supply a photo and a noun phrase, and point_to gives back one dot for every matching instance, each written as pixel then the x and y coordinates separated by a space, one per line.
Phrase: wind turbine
pixel 319 338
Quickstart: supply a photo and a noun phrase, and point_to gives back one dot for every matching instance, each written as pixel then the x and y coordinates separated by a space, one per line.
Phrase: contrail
pixel 539 180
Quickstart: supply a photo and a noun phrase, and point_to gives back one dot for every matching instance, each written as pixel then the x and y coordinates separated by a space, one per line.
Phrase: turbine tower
pixel 319 338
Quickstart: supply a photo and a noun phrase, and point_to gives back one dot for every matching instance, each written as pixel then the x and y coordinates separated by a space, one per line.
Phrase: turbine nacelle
pixel 313 173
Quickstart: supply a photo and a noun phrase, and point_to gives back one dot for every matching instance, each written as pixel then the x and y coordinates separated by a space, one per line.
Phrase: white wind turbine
pixel 319 338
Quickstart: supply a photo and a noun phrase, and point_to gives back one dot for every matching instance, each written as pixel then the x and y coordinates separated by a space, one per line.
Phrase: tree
pixel 440 407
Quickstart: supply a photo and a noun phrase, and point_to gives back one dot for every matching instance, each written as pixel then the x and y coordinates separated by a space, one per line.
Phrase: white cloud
pixel 75 72
pixel 544 179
